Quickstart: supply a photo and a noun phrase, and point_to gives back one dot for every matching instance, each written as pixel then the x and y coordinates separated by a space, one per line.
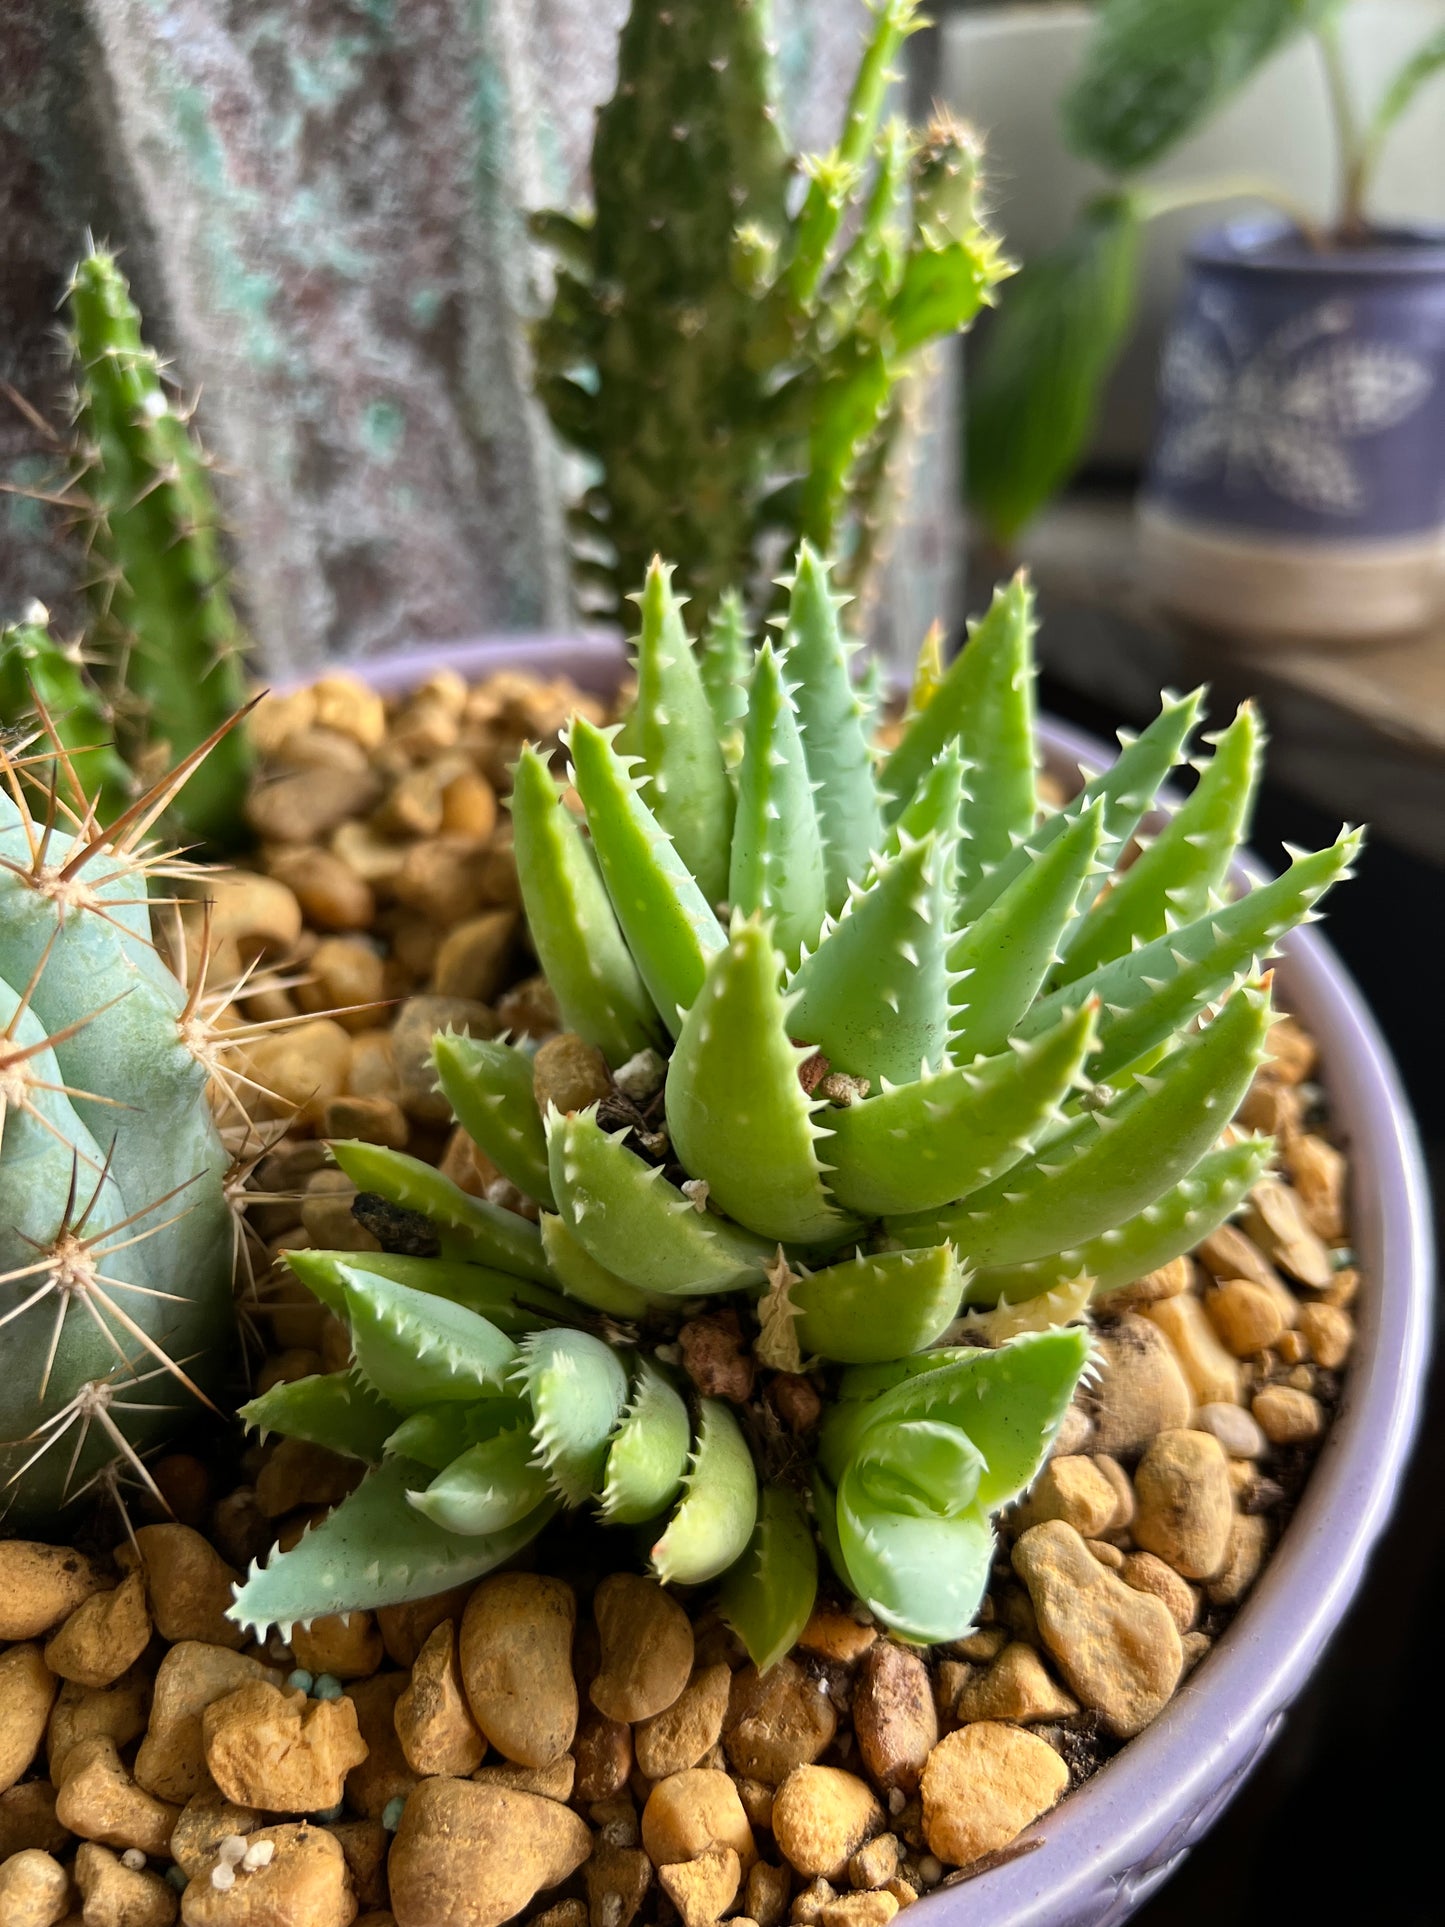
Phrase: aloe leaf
pixel 1182 872
pixel 920 1467
pixel 671 730
pixel 649 1452
pixel 373 1550
pixel 334 1409
pixel 873 996
pixel 438 1434
pixel 577 1386
pixel 1035 382
pixel 768 1596
pixel 416 1349
pixel 830 718
pixel 582 1278
pixel 935 808
pixel 669 925
pixel 1164 1230
pixel 1427 60
pixel 1151 74
pixel 514 1305
pixel 877 1306
pixel 490 1487
pixel 1126 789
pixel 727 655
pixel 1000 960
pixel 489 1087
pixel 1113 1162
pixel 719 1508
pixel 922 1577
pixel 628 1217
pixel 1148 996
pixel 777 856
pixel 736 1112
pixel 469 1228
pixel 986 704
pixel 572 923
pixel 919 1146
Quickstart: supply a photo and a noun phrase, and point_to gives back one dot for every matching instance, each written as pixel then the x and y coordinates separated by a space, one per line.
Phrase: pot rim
pixel 1116 1838
pixel 1406 250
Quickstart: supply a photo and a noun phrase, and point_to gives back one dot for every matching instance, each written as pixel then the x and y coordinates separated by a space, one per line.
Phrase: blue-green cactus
pixel 116 1239
pixel 729 356
pixel 883 1101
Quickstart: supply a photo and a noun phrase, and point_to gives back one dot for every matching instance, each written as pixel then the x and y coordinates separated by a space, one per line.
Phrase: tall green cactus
pixel 734 367
pixel 116 1240
pixel 167 642
pixel 883 1098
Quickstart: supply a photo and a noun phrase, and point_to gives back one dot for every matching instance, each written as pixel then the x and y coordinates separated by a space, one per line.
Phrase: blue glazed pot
pixel 1297 482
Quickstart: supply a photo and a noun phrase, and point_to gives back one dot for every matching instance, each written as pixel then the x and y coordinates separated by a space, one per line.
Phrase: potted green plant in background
pixel 1295 487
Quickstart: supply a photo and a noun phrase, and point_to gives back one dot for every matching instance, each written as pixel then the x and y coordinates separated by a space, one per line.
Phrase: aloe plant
pixel 918 1044
pixel 731 359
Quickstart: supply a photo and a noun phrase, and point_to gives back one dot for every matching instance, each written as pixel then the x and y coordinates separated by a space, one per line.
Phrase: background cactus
pixel 732 357
pixel 116 1240
pixel 165 648
pixel 916 1045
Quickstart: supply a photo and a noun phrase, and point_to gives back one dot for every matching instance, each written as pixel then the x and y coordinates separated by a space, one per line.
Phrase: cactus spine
pixel 736 372
pixel 116 1240
pixel 883 1099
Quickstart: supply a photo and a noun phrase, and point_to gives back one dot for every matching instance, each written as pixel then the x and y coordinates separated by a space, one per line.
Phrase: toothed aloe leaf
pixel 577 1386
pixel 334 1409
pixel 923 1577
pixel 648 1456
pixel 668 922
pixel 920 1468
pixel 1183 872
pixel 985 704
pixel 489 1488
pixel 635 1224
pixel 1009 1402
pixel 1000 961
pixel 416 1349
pixel 767 1597
pixel 1127 789
pixel 873 997
pixel 881 1306
pixel 1164 1230
pixel 1152 993
pixel 672 731
pixel 1110 1164
pixel 373 1550
pixel 574 929
pixel 438 1434
pixel 469 1228
pixel 919 1146
pixel 777 855
pixel 489 1087
pixel 830 718
pixel 714 1521
pixel 726 663
pixel 513 1305
pixel 736 1113
pixel 582 1278
pixel 934 807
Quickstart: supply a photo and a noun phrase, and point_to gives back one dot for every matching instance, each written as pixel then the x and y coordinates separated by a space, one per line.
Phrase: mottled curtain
pixel 321 204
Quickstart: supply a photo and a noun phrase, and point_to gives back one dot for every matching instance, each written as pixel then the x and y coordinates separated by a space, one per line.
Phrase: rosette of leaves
pixel 914 1044
pixel 731 356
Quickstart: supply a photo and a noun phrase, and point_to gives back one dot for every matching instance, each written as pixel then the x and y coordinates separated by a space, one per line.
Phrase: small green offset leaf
pixel 714 1522
pixel 648 1456
pixel 767 1598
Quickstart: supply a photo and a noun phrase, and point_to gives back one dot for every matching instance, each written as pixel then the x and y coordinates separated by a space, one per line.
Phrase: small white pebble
pixel 223 1878
pixel 259 1854
pixel 133 1858
pixel 232 1849
pixel 896 1800
pixel 930 1870
pixel 696 1191
pixel 669 1354
pixel 641 1075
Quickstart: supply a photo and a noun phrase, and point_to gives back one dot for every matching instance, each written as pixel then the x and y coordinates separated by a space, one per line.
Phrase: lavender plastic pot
pixel 1115 1840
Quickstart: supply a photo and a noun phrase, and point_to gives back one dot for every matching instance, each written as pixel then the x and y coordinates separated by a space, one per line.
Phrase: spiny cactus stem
pixel 93 1404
